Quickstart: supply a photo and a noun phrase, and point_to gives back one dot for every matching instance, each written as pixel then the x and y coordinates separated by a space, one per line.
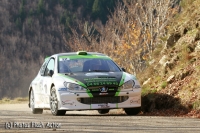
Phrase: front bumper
pixel 83 101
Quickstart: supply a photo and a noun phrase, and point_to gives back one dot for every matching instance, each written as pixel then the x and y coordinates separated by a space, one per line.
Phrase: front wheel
pixel 32 104
pixel 132 111
pixel 54 103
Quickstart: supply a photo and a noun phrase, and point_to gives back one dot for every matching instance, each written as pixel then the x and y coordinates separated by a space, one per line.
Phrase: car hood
pixel 97 78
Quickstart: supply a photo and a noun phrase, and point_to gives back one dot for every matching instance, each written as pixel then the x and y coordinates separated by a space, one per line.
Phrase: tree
pixel 22 13
pixel 97 9
pixel 40 8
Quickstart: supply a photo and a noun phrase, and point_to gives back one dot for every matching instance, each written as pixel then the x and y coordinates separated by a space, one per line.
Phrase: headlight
pixel 74 87
pixel 128 85
pixel 137 85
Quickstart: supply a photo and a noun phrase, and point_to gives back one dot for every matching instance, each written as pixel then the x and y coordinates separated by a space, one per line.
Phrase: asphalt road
pixel 18 118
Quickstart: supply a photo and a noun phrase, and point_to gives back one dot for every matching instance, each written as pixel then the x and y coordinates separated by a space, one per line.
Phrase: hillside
pixel 172 79
pixel 32 30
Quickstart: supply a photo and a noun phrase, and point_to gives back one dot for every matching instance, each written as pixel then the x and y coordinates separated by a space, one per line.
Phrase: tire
pixel 54 104
pixel 103 111
pixel 132 111
pixel 32 104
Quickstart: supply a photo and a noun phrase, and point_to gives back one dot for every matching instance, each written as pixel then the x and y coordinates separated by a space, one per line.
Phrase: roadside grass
pixel 196 105
pixel 7 100
pixel 164 84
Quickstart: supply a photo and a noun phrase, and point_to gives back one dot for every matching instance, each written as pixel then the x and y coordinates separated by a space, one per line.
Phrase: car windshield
pixel 67 65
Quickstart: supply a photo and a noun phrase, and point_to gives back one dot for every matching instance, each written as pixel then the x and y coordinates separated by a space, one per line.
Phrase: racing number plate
pixel 102 105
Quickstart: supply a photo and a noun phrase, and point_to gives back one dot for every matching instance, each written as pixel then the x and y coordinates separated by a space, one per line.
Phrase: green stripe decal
pixel 120 84
pixel 90 106
pixel 89 94
pixel 84 57
pixel 116 105
pixel 122 80
pixel 80 83
pixel 117 93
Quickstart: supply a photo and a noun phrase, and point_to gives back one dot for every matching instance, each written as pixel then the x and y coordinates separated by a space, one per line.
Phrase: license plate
pixel 102 105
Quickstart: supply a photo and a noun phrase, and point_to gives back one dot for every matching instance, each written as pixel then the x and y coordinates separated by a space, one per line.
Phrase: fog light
pixel 78 99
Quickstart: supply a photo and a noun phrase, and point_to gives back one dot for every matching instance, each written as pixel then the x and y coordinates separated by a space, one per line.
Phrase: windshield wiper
pixel 69 73
pixel 99 71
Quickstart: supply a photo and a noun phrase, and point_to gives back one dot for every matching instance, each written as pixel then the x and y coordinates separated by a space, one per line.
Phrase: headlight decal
pixel 78 82
pixel 128 85
pixel 74 87
pixel 122 79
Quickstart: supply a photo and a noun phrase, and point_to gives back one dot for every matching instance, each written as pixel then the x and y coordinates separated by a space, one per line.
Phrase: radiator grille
pixel 98 100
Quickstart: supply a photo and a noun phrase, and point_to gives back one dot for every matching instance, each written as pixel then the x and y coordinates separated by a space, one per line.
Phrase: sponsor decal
pixel 100 81
pixel 134 100
pixel 64 59
pixel 67 102
pixel 103 105
pixel 94 74
pixel 103 93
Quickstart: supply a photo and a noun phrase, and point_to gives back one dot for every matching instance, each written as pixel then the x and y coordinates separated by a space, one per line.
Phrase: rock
pixel 163 60
pixel 184 73
pixel 173 38
pixel 151 62
pixel 147 81
pixel 170 79
pixel 192 55
pixel 197 48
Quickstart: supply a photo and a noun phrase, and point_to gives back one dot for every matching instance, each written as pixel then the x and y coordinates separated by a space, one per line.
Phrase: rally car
pixel 83 81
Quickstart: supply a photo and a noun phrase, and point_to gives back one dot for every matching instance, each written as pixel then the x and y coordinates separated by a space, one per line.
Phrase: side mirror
pixel 123 69
pixel 50 73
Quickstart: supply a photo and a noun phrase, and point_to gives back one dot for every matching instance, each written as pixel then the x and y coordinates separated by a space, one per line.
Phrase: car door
pixel 47 82
pixel 37 86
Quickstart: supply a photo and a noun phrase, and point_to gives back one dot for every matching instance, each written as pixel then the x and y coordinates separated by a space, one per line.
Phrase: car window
pixel 67 65
pixel 42 69
pixel 112 66
pixel 50 66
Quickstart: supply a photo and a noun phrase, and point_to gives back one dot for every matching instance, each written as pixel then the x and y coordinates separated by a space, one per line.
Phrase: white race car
pixel 83 81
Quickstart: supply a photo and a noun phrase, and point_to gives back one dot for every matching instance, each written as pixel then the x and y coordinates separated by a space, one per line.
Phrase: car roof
pixel 75 53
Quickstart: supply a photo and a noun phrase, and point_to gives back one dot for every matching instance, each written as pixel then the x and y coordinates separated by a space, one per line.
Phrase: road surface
pixel 18 118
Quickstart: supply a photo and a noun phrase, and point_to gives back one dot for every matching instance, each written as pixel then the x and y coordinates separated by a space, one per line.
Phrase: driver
pixel 95 65
pixel 63 68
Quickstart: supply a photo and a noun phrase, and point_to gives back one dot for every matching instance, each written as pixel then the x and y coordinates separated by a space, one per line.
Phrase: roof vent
pixel 81 53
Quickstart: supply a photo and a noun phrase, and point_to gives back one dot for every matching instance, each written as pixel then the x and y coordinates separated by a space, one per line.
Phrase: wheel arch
pixel 51 87
pixel 49 91
pixel 29 93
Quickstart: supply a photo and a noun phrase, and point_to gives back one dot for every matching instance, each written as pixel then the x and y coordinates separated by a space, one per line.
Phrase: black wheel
pixel 32 104
pixel 103 111
pixel 54 103
pixel 132 111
